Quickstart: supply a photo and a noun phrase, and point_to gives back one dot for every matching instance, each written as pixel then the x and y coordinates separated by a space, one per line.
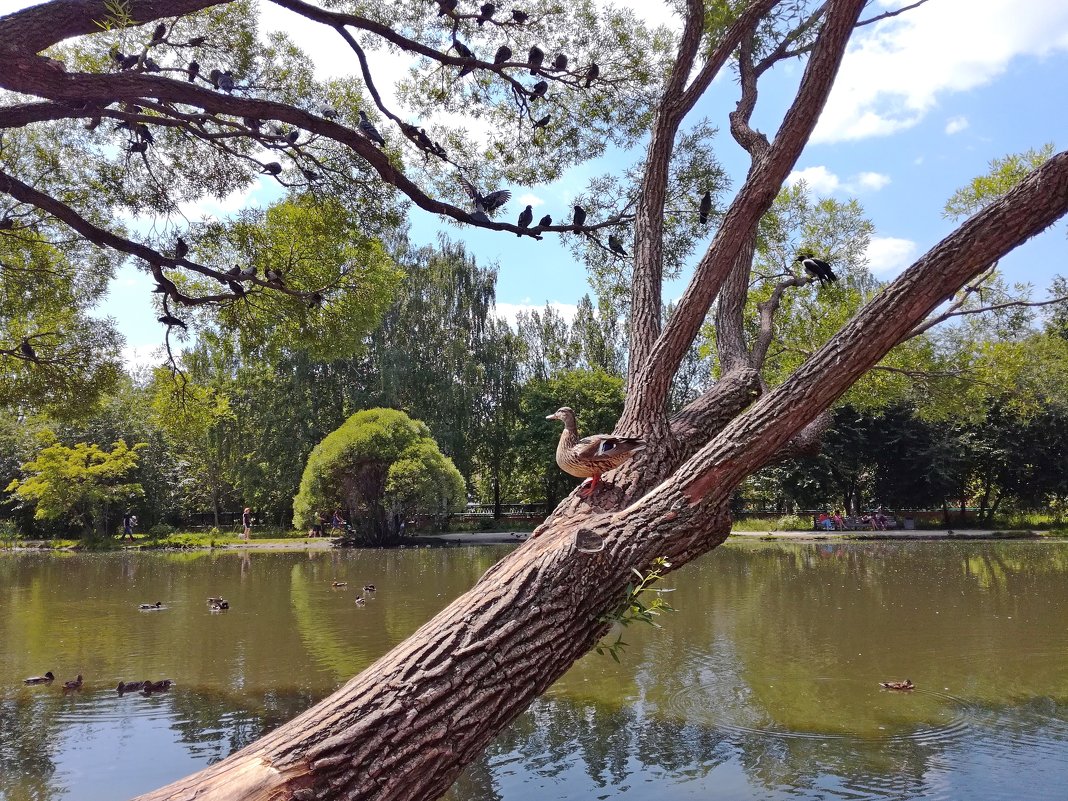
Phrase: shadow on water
pixel 765 685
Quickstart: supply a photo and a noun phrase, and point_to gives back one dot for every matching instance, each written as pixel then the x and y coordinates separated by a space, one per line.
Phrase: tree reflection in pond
pixel 763 686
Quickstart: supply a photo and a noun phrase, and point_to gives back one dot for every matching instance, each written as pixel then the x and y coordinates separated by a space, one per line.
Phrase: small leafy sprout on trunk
pixel 633 610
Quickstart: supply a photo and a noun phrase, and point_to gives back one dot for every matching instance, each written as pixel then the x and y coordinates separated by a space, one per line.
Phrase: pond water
pixel 763 685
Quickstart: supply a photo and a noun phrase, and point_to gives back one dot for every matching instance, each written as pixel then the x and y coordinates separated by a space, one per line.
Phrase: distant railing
pixel 512 511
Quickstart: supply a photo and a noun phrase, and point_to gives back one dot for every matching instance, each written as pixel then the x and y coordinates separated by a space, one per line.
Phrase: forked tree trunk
pixel 405 727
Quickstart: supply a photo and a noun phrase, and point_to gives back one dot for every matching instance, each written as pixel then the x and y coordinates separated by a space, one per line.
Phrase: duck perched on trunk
pixel 590 456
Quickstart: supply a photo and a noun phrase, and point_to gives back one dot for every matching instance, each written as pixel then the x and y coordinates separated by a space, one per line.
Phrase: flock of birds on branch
pixel 484 206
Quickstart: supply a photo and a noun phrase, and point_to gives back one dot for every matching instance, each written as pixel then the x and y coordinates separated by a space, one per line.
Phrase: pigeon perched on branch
pixel 526 216
pixel 535 58
pixel 369 130
pixel 579 219
pixel 504 53
pixel 487 204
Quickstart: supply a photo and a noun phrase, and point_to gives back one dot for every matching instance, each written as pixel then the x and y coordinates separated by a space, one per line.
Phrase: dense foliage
pixel 381 467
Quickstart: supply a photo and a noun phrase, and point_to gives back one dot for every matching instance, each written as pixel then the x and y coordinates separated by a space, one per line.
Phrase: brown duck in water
pixel 591 456
pixel 73 685
pixel 339 584
pixel 129 686
pixel 47 678
pixel 156 686
pixel 898 685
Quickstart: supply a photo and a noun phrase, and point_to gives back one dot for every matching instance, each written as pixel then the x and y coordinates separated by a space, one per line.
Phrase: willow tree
pixel 178 99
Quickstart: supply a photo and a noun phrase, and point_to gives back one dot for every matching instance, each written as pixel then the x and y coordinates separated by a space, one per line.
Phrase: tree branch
pixel 647 279
pixel 888 14
pixel 104 238
pixel 767 310
pixel 957 310
pixel 652 379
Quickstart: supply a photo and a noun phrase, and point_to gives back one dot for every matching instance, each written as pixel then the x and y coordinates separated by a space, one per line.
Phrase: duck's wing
pixel 605 446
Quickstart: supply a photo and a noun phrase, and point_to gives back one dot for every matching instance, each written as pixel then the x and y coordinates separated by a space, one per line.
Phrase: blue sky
pixel 923 103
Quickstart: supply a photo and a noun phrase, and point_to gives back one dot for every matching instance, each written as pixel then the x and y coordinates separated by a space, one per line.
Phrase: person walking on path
pixel 246 521
pixel 129 520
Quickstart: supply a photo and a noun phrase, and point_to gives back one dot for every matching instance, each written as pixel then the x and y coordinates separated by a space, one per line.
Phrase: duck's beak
pixel 551 416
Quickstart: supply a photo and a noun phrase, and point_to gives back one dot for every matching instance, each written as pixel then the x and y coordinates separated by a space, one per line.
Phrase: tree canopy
pixel 381 466
pixel 166 103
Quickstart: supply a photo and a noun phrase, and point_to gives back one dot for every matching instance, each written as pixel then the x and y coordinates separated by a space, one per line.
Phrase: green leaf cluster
pixel 378 461
pixel 77 483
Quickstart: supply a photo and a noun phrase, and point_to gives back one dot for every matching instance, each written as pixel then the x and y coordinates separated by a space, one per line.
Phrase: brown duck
pixel 590 456
pixel 47 678
pixel 898 685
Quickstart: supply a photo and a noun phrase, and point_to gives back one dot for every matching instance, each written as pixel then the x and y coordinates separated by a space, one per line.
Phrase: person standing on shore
pixel 246 521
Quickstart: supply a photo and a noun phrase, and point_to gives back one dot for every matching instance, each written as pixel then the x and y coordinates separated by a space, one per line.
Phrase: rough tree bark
pixel 404 728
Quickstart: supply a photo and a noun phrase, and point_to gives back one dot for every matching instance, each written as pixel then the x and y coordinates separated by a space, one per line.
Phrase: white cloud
pixel 528 199
pixel 956 125
pixel 819 179
pixel 871 180
pixel 894 74
pixel 823 182
pixel 220 208
pixel 510 311
pixel 887 256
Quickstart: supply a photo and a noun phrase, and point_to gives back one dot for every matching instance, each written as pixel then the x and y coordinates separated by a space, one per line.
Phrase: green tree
pixel 381 466
pixel 263 113
pixel 78 485
pixel 596 397
pixel 196 421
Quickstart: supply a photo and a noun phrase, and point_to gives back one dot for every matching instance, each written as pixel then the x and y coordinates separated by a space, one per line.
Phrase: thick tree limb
pixel 37 28
pixel 651 379
pixel 647 281
pixel 403 729
pixel 646 291
pixel 762 429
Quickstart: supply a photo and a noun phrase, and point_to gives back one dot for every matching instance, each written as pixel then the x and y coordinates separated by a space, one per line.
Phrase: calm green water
pixel 763 686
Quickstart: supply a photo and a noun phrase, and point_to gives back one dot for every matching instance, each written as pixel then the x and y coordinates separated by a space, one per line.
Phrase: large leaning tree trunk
pixel 405 728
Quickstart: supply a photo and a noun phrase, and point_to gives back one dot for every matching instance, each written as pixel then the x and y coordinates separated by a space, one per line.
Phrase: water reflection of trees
pixel 620 749
pixel 26 751
pixel 770 641
pixel 215 724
